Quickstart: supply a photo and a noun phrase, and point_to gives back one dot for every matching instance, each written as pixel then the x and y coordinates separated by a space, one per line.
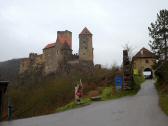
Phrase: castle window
pixel 83 53
pixel 146 61
pixel 85 47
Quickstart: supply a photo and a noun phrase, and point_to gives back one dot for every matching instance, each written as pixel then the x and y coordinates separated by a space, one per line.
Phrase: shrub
pixel 107 93
pixel 138 79
pixel 93 93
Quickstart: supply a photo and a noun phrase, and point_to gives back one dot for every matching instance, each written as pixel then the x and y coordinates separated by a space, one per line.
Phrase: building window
pixel 83 53
pixel 146 61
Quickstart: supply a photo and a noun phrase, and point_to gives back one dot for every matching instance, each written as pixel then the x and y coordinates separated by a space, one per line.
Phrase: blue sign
pixel 118 82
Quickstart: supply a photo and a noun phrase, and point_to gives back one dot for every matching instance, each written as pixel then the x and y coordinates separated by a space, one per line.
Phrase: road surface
pixel 139 110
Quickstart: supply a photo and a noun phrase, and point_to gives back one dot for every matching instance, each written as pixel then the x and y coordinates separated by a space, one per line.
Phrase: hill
pixel 33 94
pixel 9 69
pixel 36 95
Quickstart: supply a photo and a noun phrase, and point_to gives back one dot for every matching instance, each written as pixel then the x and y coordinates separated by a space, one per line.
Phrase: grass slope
pixel 107 93
pixel 34 95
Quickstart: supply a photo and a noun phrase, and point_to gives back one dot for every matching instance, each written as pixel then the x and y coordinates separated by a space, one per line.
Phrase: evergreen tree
pixel 159 34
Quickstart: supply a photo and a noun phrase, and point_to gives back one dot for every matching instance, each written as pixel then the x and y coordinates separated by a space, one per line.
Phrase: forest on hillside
pixel 9 70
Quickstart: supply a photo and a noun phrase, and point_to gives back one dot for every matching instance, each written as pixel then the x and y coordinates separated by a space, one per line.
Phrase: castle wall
pixel 34 60
pixel 24 65
pixel 53 57
pixel 56 56
pixel 39 60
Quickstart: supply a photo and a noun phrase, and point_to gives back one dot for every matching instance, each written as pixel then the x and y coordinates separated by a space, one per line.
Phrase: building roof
pixel 50 45
pixel 85 31
pixel 144 53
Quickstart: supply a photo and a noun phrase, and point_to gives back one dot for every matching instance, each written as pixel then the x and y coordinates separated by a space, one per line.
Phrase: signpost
pixel 118 82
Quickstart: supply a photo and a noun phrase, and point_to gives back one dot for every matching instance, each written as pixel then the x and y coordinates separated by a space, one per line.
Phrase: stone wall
pixel 142 63
pixel 57 56
pixel 34 61
pixel 85 48
pixel 65 37
pixel 39 60
pixel 24 65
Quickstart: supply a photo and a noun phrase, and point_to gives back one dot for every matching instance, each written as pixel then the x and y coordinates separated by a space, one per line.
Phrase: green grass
pixel 109 93
pixel 72 105
pixel 138 79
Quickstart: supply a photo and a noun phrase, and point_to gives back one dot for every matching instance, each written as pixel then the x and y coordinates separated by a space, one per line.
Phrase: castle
pixel 59 54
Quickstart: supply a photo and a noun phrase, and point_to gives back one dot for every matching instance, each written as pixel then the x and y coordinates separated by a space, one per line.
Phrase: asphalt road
pixel 139 110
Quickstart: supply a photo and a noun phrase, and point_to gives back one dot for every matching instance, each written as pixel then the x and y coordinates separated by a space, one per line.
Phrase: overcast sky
pixel 28 25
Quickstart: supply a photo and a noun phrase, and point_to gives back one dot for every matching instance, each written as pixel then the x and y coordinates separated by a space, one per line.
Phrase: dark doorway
pixel 148 73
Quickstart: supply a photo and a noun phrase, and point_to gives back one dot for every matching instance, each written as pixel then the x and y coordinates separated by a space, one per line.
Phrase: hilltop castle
pixel 58 55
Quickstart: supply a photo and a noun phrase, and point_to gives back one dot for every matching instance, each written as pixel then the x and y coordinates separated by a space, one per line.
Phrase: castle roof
pixel 85 31
pixel 144 53
pixel 50 45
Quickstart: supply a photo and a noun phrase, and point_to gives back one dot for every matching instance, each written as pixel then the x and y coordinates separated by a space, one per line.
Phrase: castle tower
pixel 85 46
pixel 65 37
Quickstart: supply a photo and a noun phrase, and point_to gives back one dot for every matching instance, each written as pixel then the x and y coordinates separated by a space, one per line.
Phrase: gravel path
pixel 139 110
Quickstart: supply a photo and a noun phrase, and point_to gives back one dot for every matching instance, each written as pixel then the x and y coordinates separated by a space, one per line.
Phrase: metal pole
pixel 10 109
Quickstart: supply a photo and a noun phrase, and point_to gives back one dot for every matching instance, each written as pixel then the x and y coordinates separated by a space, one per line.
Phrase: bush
pixel 138 79
pixel 93 93
pixel 107 93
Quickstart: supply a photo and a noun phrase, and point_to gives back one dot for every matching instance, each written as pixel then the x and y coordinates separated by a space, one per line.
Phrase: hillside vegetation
pixel 162 85
pixel 34 95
